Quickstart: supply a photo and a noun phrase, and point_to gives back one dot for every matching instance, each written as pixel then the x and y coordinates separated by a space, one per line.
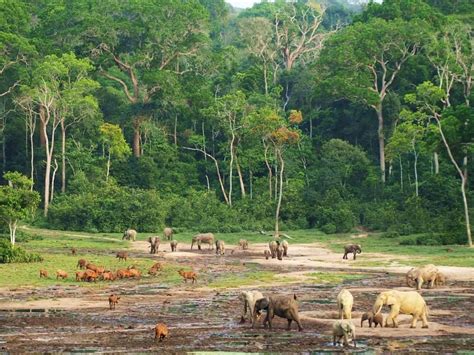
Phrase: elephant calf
pixel 173 245
pixel 284 245
pixel 343 328
pixel 352 248
pixel 130 234
pixel 377 319
pixel 281 306
pixel 220 247
pixel 154 244
pixel 168 233
pixel 243 244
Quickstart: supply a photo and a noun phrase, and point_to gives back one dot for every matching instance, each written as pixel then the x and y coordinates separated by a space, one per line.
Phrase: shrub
pixel 15 254
pixel 329 228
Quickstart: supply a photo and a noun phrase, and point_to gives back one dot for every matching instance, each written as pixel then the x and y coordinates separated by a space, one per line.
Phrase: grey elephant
pixel 343 329
pixel 352 248
pixel 173 245
pixel 220 247
pixel 130 234
pixel 203 238
pixel 154 244
pixel 281 306
pixel 168 233
pixel 377 319
pixel 273 245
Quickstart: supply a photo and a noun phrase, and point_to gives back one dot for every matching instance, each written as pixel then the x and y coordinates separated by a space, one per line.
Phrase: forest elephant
pixel 154 244
pixel 173 245
pixel 279 251
pixel 203 238
pixel 344 304
pixel 249 298
pixel 377 319
pixel 273 245
pixel 352 248
pixel 281 306
pixel 409 302
pixel 220 247
pixel 419 275
pixel 440 279
pixel 343 329
pixel 267 254
pixel 243 244
pixel 130 234
pixel 168 233
pixel 284 245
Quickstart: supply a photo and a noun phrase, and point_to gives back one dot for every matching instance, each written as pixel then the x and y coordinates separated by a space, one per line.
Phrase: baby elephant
pixel 281 306
pixel 267 254
pixel 113 300
pixel 343 328
pixel 377 319
pixel 243 244
pixel 173 245
pixel 344 304
pixel 161 331
pixel 220 247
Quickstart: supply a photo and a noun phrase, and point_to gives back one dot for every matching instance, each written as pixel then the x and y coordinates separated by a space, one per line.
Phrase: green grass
pixel 333 278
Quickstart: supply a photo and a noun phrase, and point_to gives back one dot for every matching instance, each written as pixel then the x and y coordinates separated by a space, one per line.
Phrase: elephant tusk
pixel 378 311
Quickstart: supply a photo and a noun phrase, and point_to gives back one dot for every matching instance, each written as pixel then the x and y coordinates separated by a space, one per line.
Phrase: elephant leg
pixel 355 255
pixel 341 316
pixel 424 319
pixel 348 312
pixel 370 323
pixel 394 310
pixel 414 320
pixel 289 324
pixel 419 283
pixel 346 340
pixel 344 256
pixel 334 340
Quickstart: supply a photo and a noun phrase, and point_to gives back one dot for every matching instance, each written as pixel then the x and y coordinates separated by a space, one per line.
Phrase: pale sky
pixel 242 3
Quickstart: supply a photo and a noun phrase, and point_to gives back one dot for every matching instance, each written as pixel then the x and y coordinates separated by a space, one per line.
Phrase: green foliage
pixel 14 254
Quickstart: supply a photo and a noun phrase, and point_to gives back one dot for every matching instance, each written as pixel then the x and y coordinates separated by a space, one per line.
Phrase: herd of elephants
pixel 284 306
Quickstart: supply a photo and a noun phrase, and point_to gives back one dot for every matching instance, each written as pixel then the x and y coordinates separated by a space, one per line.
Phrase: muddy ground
pixel 77 319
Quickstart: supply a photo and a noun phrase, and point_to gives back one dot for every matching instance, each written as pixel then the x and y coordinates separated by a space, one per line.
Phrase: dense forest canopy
pixel 306 114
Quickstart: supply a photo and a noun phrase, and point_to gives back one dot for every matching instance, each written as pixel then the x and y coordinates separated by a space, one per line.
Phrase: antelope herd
pixel 255 302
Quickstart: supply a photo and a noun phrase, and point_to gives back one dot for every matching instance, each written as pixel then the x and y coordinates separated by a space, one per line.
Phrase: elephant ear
pixel 391 300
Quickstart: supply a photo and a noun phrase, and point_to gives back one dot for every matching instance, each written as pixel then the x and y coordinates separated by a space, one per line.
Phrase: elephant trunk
pixel 377 306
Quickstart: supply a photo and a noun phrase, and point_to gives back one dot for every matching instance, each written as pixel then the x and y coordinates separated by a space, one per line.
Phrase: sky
pixel 242 3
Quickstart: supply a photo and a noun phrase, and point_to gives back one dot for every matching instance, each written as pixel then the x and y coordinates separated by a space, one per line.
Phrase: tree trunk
pixel 241 179
pixel 43 133
pixel 32 154
pixel 265 78
pixel 436 163
pixel 415 167
pixel 47 173
pixel 53 179
pixel 231 166
pixel 270 177
pixel 381 142
pixel 280 193
pixel 63 157
pixel 401 173
pixel 136 139
pixel 466 211
pixel 175 130
pixel 251 184
pixel 108 168
pixel 12 225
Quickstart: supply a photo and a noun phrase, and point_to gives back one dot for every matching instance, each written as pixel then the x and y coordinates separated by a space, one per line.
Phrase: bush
pixel 390 234
pixel 329 228
pixel 15 254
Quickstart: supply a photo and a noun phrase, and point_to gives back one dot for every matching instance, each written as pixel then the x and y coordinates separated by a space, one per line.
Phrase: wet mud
pixel 204 319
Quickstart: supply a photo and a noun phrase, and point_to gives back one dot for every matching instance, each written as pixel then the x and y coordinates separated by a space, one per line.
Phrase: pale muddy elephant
pixel 273 246
pixel 249 298
pixel 168 233
pixel 419 275
pixel 220 247
pixel 203 238
pixel 409 302
pixel 130 234
pixel 154 244
pixel 284 245
pixel 344 304
pixel 343 329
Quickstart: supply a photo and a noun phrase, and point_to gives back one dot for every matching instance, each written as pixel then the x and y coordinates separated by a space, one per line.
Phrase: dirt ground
pixel 77 319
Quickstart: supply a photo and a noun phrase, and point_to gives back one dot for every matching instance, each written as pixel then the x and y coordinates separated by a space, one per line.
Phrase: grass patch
pixel 244 279
pixel 333 278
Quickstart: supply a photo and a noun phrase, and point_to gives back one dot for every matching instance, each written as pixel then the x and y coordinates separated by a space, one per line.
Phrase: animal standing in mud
pixel 243 244
pixel 203 238
pixel 377 319
pixel 154 244
pixel 249 298
pixel 220 247
pixel 419 275
pixel 113 300
pixel 161 331
pixel 173 245
pixel 344 304
pixel 409 302
pixel 191 275
pixel 440 279
pixel 130 234
pixel 267 254
pixel 273 246
pixel 281 306
pixel 43 273
pixel 343 329
pixel 284 245
pixel 352 248
pixel 122 255
pixel 168 233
